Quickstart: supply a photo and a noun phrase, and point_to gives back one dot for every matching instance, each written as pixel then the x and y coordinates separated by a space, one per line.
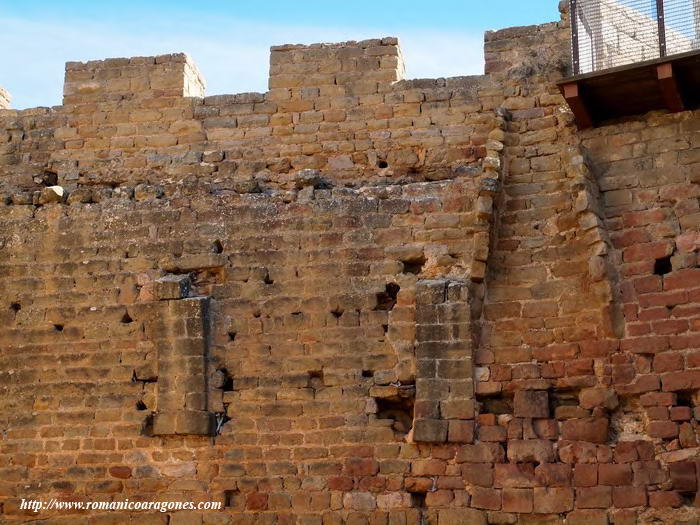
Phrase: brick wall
pixel 351 299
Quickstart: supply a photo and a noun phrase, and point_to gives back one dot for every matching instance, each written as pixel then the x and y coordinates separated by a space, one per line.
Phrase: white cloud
pixel 232 55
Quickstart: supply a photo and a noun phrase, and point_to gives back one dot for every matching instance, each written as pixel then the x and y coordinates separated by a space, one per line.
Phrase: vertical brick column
pixel 444 382
pixel 182 370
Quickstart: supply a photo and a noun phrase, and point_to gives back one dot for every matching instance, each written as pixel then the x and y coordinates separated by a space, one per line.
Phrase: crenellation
pixel 116 79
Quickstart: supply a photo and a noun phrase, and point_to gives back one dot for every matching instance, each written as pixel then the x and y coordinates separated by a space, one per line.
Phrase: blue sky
pixel 230 40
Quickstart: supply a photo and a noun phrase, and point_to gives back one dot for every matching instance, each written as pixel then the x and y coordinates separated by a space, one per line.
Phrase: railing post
pixel 660 17
pixel 573 8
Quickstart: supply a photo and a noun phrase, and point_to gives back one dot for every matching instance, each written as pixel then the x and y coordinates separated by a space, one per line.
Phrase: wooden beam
pixel 572 94
pixel 669 87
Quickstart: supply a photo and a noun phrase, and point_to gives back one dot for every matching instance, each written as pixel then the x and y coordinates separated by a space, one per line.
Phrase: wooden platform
pixel 671 83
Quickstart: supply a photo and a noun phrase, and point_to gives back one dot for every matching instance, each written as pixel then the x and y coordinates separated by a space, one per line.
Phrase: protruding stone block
pixel 172 287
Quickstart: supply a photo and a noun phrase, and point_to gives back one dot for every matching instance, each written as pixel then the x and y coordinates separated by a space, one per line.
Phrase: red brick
pixel 615 475
pixel 645 251
pixel 517 500
pixel 683 476
pixel 626 452
pixel 670 326
pixel 554 500
pixel 593 497
pixel 361 467
pixel 514 475
pixel 686 278
pixel 594 430
pixel 531 403
pixel 460 432
pixel 645 345
pixel 625 497
pixel 585 475
pixel 439 498
pixel 663 299
pixel 256 501
pixel 663 429
pixel 668 362
pixel 587 517
pixel 661 500
pixel 481 453
pixel 658 399
pixel 686 380
pixel 479 474
pixel 120 472
pixel 493 433
pixel 343 483
pixel 681 413
pixel 488 499
pixel 553 475
pixel 629 238
pixel 647 472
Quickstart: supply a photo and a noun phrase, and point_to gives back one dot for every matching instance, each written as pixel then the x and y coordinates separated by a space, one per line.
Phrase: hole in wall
pixel 231 498
pixel 232 336
pixel 418 500
pixel 368 373
pixel 267 279
pixel 316 378
pixel 217 247
pixel 49 178
pixel 684 398
pixel 140 405
pixel 147 429
pixel 126 318
pixel 663 266
pixel 399 409
pixel 381 164
pixel 337 312
pixel 15 307
pixel 227 384
pixel 414 266
pixel 499 404
pixel 385 328
pixel 58 327
pixel 386 300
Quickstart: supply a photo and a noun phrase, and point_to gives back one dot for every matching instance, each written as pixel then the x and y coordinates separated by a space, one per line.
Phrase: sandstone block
pixel 531 403
pixel 172 287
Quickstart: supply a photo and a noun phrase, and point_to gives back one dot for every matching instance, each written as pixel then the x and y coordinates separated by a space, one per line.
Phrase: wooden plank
pixel 572 95
pixel 669 88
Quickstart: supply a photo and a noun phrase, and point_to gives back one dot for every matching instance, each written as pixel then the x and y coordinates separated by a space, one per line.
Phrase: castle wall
pixel 351 299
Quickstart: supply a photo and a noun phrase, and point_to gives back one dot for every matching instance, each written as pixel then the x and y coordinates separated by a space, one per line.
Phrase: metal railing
pixel 611 33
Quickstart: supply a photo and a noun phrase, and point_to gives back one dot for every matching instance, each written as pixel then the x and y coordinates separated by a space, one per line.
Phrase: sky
pixel 230 40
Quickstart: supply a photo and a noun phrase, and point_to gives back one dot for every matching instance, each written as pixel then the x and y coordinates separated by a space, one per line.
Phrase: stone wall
pixel 351 299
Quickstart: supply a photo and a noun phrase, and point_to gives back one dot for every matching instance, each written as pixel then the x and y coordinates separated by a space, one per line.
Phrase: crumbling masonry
pixel 351 299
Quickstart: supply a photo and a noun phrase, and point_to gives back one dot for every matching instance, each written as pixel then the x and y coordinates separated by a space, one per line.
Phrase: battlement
pixel 361 63
pixel 114 79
